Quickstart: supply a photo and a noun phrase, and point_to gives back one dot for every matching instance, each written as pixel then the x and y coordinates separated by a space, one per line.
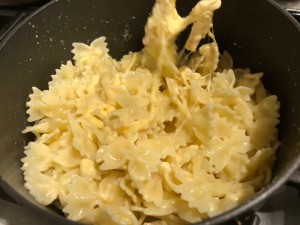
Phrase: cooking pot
pixel 257 33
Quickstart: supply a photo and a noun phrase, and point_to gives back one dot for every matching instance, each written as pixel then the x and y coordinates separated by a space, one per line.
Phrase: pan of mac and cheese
pixel 149 112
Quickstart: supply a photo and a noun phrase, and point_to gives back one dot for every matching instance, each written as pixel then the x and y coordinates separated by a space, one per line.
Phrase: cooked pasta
pixel 155 138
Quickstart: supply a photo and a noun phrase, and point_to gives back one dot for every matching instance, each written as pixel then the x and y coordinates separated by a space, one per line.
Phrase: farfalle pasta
pixel 155 138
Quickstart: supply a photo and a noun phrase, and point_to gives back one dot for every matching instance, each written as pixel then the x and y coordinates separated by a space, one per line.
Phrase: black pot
pixel 257 33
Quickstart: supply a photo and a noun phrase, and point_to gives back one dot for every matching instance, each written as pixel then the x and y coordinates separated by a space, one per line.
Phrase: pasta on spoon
pixel 155 138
